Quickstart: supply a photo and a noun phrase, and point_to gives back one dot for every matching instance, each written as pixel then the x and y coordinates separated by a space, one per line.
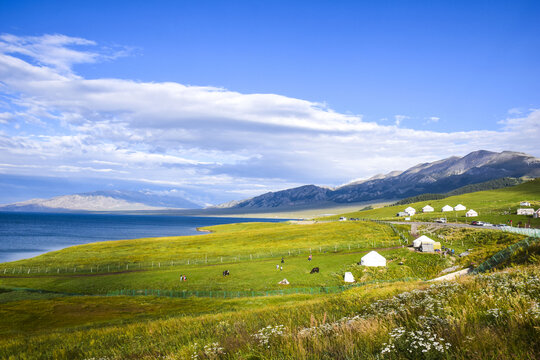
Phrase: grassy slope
pixel 228 241
pixel 491 205
pixel 250 275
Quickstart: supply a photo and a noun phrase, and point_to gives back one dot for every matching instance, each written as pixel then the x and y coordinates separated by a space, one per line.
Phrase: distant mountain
pixel 104 201
pixel 436 177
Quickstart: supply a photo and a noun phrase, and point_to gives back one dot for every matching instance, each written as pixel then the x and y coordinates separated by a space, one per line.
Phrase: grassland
pixel 493 316
pixel 494 206
pixel 229 243
pixel 482 317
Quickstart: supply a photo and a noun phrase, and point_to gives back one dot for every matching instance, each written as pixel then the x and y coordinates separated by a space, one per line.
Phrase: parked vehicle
pixel 477 223
pixel 441 220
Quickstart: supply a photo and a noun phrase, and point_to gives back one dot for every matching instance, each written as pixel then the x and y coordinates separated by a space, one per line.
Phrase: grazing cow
pixel 226 273
pixel 314 270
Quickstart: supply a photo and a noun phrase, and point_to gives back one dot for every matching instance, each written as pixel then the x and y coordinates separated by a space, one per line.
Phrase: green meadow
pixel 55 306
pixel 224 243
pixel 494 206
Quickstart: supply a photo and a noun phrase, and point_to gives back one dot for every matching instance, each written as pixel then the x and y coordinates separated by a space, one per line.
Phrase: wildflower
pixel 265 334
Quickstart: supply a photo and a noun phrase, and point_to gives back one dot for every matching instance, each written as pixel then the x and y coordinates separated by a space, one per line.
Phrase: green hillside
pixel 495 206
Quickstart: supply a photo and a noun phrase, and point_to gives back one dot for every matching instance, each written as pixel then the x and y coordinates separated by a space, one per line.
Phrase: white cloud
pixel 55 50
pixel 433 119
pixel 198 137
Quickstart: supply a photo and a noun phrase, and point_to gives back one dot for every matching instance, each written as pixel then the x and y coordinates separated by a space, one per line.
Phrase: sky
pixel 220 101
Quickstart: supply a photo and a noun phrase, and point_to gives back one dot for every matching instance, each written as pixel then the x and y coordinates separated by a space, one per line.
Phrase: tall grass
pixel 495 316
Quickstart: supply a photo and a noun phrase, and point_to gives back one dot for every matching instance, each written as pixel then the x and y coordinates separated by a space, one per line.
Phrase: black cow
pixel 314 270
pixel 226 273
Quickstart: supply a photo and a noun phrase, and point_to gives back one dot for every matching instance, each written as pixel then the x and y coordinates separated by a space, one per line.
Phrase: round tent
pixel 447 208
pixel 422 239
pixel 373 258
pixel 348 277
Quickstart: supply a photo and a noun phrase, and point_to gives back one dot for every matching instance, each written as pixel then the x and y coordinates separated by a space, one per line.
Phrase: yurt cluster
pixel 410 211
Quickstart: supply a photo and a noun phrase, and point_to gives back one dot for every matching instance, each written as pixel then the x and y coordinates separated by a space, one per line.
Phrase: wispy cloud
pixel 201 137
pixel 400 118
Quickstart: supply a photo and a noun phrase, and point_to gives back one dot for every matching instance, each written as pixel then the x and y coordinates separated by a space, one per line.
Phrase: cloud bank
pixel 204 139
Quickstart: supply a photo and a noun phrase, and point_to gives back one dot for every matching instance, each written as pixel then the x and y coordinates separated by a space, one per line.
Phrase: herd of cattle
pixel 313 271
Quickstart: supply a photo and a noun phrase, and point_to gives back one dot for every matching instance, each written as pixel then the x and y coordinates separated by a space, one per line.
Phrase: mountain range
pixel 436 177
pixel 104 201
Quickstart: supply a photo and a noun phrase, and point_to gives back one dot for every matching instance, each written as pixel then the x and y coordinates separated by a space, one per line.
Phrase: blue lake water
pixel 24 235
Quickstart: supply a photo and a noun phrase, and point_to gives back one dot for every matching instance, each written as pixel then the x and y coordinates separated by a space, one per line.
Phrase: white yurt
pixel 427 208
pixel 422 240
pixel 459 207
pixel 373 258
pixel 410 210
pixel 471 213
pixel 348 277
pixel 447 208
pixel 284 282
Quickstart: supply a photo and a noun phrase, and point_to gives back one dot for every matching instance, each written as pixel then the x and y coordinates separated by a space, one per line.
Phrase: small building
pixel 447 208
pixel 428 208
pixel 524 203
pixel 526 211
pixel 536 214
pixel 417 243
pixel 471 213
pixel 402 214
pixel 373 258
pixel 349 278
pixel 459 207
pixel 410 210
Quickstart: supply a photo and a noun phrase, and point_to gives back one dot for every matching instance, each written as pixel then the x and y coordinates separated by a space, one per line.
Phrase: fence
pixel 523 231
pixel 247 293
pixel 504 255
pixel 172 263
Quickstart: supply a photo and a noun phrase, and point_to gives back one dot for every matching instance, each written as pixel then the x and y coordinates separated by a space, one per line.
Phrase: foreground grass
pixel 486 317
pixel 494 206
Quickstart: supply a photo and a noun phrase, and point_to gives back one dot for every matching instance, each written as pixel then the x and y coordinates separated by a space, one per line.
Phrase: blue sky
pixel 160 94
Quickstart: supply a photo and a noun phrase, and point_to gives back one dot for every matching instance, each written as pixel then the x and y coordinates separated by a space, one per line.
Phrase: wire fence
pixel 504 254
pixel 523 231
pixel 248 293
